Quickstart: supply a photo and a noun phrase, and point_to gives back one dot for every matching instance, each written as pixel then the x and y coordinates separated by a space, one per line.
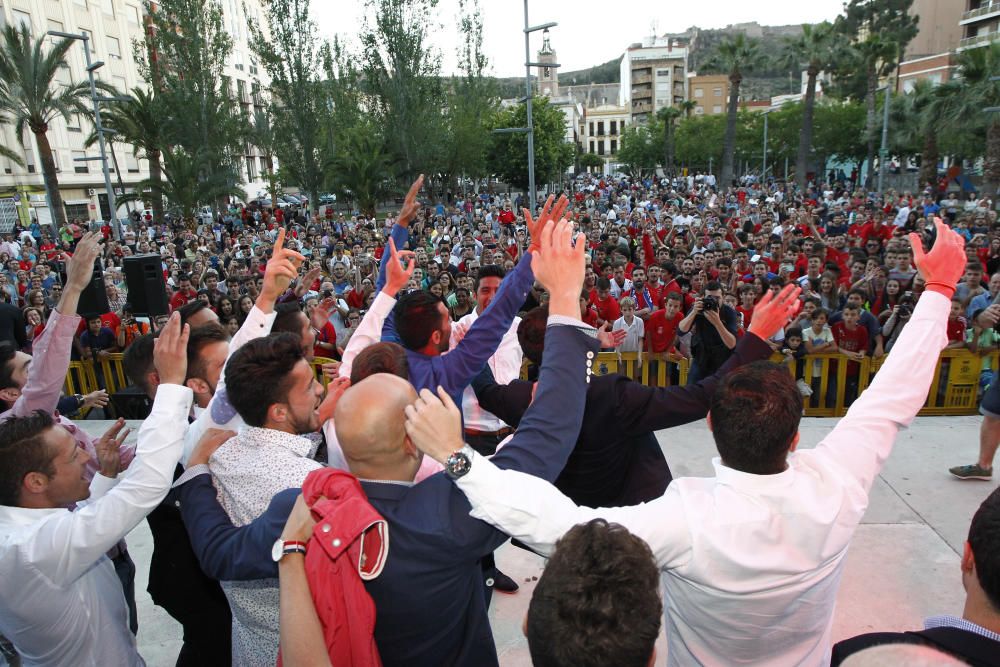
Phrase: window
pixel 54 25
pixel 114 48
pixel 717 92
pixel 132 15
pixel 600 128
pixel 663 72
pixel 263 165
pixel 614 128
pixel 90 40
pixel 699 92
pixel 699 110
pixel 591 146
pixel 21 19
pixel 251 169
pixel 55 160
pixel 614 146
pixel 109 7
pixel 600 147
pixel 80 167
pixel 591 128
pixel 74 211
pixel 131 163
pixel 717 108
pixel 241 90
pixel 120 83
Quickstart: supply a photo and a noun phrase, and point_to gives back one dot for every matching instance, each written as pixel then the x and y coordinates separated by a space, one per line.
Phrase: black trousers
pixel 125 569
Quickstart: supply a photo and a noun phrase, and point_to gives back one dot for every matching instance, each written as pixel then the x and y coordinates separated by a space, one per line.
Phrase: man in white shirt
pixel 62 603
pixel 752 558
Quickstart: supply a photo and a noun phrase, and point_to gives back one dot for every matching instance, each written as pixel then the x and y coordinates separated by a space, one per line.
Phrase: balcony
pixel 987 10
pixel 642 78
pixel 978 40
pixel 641 107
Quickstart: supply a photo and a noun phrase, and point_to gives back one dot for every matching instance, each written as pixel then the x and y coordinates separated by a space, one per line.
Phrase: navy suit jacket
pixel 430 601
pixel 617 460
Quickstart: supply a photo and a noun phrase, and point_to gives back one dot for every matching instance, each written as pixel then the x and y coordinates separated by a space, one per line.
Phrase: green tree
pixel 887 27
pixel 817 49
pixel 699 141
pixel 736 56
pixel 509 152
pixel 667 117
pixel 974 89
pixel 591 161
pixel 840 131
pixel 262 135
pixel 290 53
pixel 916 118
pixel 31 99
pixel 139 123
pixel 640 150
pixel 402 75
pixel 363 171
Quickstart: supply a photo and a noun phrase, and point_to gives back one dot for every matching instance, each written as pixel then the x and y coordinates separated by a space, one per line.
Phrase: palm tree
pixel 736 55
pixel 973 90
pixel 188 182
pixel 261 135
pixel 138 122
pixel 668 116
pixel 875 56
pixel 817 47
pixel 362 170
pixel 918 117
pixel 28 98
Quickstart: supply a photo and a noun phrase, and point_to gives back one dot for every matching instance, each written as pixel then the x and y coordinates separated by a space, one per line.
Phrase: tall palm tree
pixel 968 95
pixel 261 134
pixel 668 116
pixel 736 56
pixel 30 98
pixel 875 56
pixel 817 48
pixel 917 117
pixel 363 171
pixel 138 122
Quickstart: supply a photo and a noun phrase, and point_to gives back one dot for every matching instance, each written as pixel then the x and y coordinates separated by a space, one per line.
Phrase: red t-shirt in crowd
pixel 747 313
pixel 326 335
pixel 661 332
pixel 956 329
pixel 852 341
pixel 607 309
pixel 590 317
pixel 180 298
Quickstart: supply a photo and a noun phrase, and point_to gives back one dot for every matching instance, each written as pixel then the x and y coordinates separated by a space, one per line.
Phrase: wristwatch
pixel 459 463
pixel 282 548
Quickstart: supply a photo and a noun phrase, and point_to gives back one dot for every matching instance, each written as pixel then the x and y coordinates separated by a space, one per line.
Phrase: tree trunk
pixel 156 178
pixel 805 134
pixel 870 122
pixel 671 168
pixel 991 165
pixel 929 159
pixel 49 175
pixel 729 142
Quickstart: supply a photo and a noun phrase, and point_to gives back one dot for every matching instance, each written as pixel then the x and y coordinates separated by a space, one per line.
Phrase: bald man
pixel 429 599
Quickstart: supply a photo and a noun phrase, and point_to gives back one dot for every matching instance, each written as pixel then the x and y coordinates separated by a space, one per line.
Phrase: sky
pixel 589 32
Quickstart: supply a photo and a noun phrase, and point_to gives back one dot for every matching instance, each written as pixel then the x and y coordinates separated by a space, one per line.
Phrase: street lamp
pixel 529 130
pixel 883 151
pixel 91 68
pixel 763 168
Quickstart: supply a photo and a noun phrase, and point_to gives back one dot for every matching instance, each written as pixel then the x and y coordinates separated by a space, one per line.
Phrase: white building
pixel 653 76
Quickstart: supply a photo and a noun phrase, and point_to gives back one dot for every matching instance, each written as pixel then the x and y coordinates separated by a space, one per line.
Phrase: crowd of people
pixel 272 492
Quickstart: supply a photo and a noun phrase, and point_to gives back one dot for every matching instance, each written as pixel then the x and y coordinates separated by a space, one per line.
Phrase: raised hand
pixel 559 266
pixel 550 213
pixel 79 272
pixel 307 280
pixel 410 204
pixel 772 313
pixel 608 338
pixel 401 266
pixel 108 448
pixel 321 313
pixel 944 264
pixel 434 424
pixel 96 399
pixel 170 351
pixel 281 270
pixel 334 391
pixel 210 441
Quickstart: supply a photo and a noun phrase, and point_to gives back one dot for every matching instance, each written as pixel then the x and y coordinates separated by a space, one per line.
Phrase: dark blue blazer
pixel 430 601
pixel 617 460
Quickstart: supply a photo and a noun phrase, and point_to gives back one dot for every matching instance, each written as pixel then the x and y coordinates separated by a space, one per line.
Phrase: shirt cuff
pixel 191 473
pixel 258 317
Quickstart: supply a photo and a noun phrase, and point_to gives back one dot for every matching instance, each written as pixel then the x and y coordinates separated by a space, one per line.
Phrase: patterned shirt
pixel 960 623
pixel 249 470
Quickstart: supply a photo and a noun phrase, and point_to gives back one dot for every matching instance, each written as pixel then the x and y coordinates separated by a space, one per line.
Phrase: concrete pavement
pixel 902 566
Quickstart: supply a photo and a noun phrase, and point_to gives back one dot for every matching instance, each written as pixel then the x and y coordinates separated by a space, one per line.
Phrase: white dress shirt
pixel 62 603
pixel 751 563
pixel 506 366
pixel 248 471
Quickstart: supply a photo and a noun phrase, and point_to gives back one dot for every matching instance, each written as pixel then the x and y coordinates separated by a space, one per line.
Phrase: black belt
pixel 502 433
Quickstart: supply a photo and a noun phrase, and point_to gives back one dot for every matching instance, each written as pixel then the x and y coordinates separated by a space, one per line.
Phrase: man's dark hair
pixel 713 285
pixel 488 271
pixel 258 374
pixel 7 353
pixel 984 538
pixel 603 283
pixel 22 451
pixel 417 317
pixel 597 603
pixel 199 338
pixel 189 309
pixel 380 358
pixel 287 319
pixel 793 332
pixel 861 293
pixel 755 413
pixel 531 333
pixel 90 317
pixel 138 362
pixel 183 276
pixel 669 267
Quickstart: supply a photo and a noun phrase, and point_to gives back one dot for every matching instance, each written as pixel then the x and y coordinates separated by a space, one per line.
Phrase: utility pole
pixel 91 68
pixel 883 152
pixel 763 168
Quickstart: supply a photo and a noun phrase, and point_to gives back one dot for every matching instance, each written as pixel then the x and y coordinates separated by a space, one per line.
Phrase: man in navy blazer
pixel 617 460
pixel 430 600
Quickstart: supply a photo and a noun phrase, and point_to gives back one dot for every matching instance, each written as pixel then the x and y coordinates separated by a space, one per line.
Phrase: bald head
pixel 370 425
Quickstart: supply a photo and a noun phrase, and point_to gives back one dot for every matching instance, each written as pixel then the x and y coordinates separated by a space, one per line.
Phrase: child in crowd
pixel 633 328
pixel 793 350
pixel 852 342
pixel 818 339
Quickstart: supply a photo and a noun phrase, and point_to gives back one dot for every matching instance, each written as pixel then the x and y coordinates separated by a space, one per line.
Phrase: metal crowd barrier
pixel 954 390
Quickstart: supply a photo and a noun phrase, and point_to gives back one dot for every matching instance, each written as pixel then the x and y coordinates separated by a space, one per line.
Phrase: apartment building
pixel 653 76
pixel 980 23
pixel 709 92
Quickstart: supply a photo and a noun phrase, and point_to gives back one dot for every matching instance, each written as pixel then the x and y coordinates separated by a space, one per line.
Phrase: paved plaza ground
pixel 902 566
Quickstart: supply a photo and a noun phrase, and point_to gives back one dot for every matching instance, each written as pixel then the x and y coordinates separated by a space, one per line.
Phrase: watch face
pixel 458 464
pixel 276 550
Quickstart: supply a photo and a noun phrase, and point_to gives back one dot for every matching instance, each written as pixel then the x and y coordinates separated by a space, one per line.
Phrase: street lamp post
pixel 763 168
pixel 530 129
pixel 883 152
pixel 91 68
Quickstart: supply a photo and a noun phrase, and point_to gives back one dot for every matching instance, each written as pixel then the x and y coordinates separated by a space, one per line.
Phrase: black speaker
pixel 94 298
pixel 147 291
